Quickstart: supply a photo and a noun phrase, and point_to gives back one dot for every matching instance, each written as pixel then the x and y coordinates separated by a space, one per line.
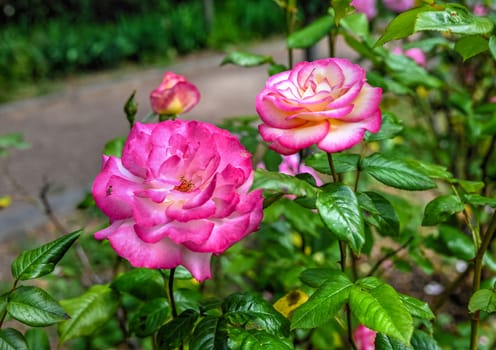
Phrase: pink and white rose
pixel 174 95
pixel 327 102
pixel 179 194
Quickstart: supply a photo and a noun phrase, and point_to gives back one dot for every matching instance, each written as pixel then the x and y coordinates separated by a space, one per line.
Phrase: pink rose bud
pixel 179 194
pixel 366 7
pixel 364 338
pixel 399 5
pixel 175 95
pixel 326 102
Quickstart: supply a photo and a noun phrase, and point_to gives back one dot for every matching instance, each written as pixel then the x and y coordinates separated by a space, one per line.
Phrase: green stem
pixel 478 262
pixel 170 289
pixel 335 176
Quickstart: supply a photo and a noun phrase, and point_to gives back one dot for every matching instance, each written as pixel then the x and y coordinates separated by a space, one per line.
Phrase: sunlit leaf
pixel 471 46
pixel 416 307
pixel 483 300
pixel 311 34
pixel 478 200
pixel 402 25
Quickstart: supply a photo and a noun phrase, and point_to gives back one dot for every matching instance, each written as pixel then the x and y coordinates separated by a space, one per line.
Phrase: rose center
pixel 184 186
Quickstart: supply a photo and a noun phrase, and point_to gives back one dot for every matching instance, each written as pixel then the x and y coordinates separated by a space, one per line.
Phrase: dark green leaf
pixel 417 308
pixel 396 173
pixel 37 339
pixel 470 46
pixel 88 312
pixel 209 334
pixel 383 342
pixel 34 307
pixel 338 208
pixel 378 306
pixel 478 200
pixel 454 19
pixel 246 59
pixel 323 305
pixel 343 162
pixel 390 127
pixel 483 300
pixel 12 339
pixel 252 339
pixel 440 209
pixel 114 147
pixel 272 160
pixel 177 331
pixel 311 34
pixel 149 317
pixel 282 183
pixel 492 46
pixel 317 276
pixel 144 284
pixel 381 213
pixel 42 260
pixel 424 341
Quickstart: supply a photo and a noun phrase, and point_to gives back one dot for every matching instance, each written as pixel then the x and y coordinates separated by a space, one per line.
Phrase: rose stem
pixel 335 177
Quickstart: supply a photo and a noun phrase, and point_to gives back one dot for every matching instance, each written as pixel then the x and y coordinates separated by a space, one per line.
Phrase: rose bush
pixel 179 194
pixel 325 102
pixel 174 95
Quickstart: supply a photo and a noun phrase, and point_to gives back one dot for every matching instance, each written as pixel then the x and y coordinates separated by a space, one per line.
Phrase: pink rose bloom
pixel 364 338
pixel 480 10
pixel 326 102
pixel 179 194
pixel 366 7
pixel 414 53
pixel 399 5
pixel 175 95
pixel 290 165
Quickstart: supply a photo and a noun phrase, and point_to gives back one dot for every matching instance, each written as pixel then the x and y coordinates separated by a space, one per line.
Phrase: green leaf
pixel 424 341
pixel 252 339
pixel 11 141
pixel 343 162
pixel 209 334
pixel 311 34
pixel 338 208
pixel 175 332
pixel 114 147
pixel 378 306
pixel 440 209
pixel 396 173
pixel 37 339
pixel 241 308
pixel 458 243
pixel 383 342
pixel 470 186
pixel 391 126
pixel 149 317
pixel 34 307
pixel 88 312
pixel 342 8
pixel 356 23
pixel 12 339
pixel 407 72
pixel 417 308
pixel 454 19
pixel 483 300
pixel 282 183
pixel 382 213
pixel 145 284
pixel 388 85
pixel 42 260
pixel 492 46
pixel 315 277
pixel 246 59
pixel 478 200
pixel 434 171
pixel 401 26
pixel 276 68
pixel 323 305
pixel 470 46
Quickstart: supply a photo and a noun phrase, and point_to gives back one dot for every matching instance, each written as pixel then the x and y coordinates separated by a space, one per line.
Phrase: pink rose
pixel 399 5
pixel 175 95
pixel 364 338
pixel 414 53
pixel 366 7
pixel 326 102
pixel 480 10
pixel 290 165
pixel 179 194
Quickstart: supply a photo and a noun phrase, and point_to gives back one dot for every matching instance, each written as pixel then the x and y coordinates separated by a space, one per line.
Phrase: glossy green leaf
pixel 252 339
pixel 440 209
pixel 277 182
pixel 454 19
pixel 323 305
pixel 417 308
pixel 378 306
pixel 311 34
pixel 478 200
pixel 88 312
pixel 246 59
pixel 12 339
pixel 381 213
pixel 471 46
pixel 175 332
pixel 34 307
pixel 41 261
pixel 37 339
pixel 391 126
pixel 343 162
pixel 434 171
pixel 149 317
pixel 492 46
pixel 401 26
pixel 315 277
pixel 483 300
pixel 209 334
pixel 339 210
pixel 396 173
pixel 144 284
pixel 241 308
pixel 422 340
pixel 114 147
pixel 384 342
